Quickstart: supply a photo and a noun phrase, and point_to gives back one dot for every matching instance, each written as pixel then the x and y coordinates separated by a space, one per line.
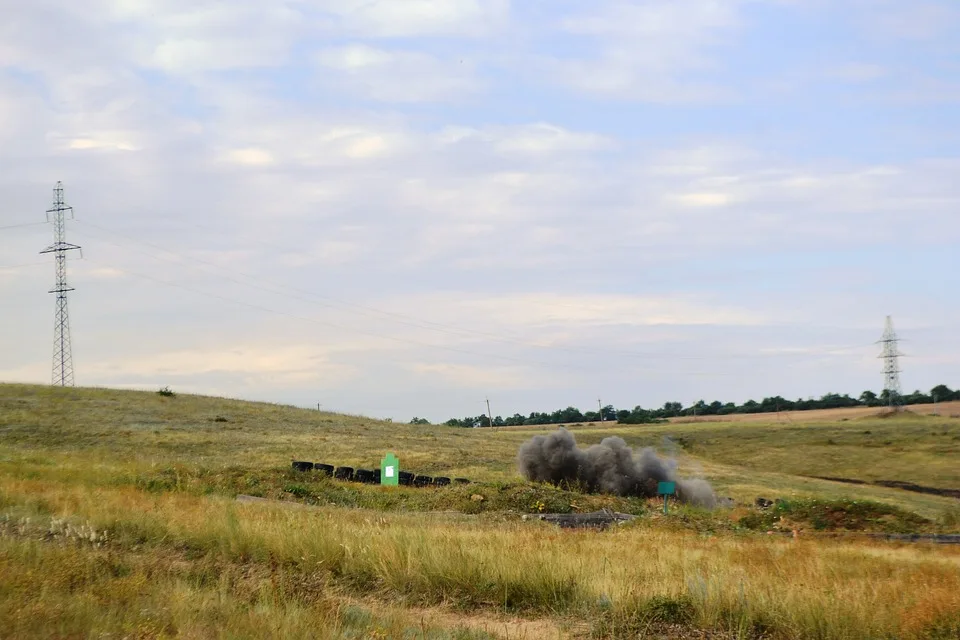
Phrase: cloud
pixel 280 363
pixel 490 222
pixel 251 156
pixel 922 20
pixel 394 75
pixel 646 50
pixel 476 377
pixel 858 72
pixel 411 18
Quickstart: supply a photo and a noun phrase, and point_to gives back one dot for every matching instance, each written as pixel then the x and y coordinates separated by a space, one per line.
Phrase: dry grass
pixel 943 409
pixel 287 558
pixel 181 557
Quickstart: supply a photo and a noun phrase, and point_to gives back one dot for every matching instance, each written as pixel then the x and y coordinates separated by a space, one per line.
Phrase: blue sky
pixel 403 207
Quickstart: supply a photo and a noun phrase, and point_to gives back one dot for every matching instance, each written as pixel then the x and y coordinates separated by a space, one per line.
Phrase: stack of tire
pixel 372 476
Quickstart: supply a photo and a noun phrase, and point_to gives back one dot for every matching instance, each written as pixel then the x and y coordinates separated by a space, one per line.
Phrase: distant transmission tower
pixel 891 364
pixel 62 353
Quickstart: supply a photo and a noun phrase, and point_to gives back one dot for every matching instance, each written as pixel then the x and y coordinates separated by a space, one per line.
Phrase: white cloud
pixel 303 361
pixel 104 141
pixel 858 72
pixel 492 378
pixel 394 75
pixel 327 252
pixel 544 221
pixel 576 311
pixel 251 156
pixel 392 19
pixel 646 49
pixel 533 139
pixel 700 199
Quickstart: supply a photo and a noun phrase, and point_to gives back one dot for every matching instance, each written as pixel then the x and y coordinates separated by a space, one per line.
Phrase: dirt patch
pixel 897 484
pixel 909 486
pixel 500 626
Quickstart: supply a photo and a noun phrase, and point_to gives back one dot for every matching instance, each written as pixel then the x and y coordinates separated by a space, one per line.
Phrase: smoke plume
pixel 608 467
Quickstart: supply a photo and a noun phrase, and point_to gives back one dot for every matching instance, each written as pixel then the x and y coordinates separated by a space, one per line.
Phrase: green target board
pixel 390 470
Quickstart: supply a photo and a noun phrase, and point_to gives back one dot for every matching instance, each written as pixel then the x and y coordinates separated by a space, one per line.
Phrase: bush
pixel 166 392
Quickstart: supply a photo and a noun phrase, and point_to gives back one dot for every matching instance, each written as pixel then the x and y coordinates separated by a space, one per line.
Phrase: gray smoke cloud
pixel 608 467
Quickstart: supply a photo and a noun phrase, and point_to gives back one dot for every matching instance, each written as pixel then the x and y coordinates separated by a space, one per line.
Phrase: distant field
pixel 117 516
pixel 943 409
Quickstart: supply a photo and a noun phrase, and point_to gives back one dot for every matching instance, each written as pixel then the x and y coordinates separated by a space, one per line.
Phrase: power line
pixel 579 367
pixel 21 266
pixel 328 302
pixel 62 350
pixel 327 323
pixel 20 226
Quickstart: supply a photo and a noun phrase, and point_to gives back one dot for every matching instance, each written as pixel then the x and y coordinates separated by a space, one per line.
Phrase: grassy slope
pixel 140 466
pixel 137 433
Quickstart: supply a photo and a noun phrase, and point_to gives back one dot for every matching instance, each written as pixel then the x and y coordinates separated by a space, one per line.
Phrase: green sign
pixel 667 488
pixel 390 470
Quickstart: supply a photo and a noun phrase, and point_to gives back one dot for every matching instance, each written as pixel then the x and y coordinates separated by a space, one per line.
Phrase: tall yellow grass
pixel 784 588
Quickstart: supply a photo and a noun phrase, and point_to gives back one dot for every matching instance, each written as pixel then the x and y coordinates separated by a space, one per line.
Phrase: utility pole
pixel 62 350
pixel 891 365
pixel 600 407
pixel 489 415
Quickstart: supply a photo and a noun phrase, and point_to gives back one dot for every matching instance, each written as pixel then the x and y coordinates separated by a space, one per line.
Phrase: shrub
pixel 166 392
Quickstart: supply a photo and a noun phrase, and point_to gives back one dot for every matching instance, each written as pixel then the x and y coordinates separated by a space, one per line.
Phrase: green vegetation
pixel 118 516
pixel 639 415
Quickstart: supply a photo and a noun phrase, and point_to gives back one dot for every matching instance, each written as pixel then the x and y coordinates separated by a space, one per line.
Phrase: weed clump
pixel 835 515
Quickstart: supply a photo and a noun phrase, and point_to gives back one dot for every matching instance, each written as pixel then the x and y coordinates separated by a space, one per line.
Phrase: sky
pixel 403 208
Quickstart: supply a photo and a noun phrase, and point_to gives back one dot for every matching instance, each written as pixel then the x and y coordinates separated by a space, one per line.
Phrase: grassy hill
pixel 136 434
pixel 117 516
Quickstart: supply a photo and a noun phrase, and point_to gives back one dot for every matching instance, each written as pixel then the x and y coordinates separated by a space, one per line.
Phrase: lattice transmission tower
pixel 891 364
pixel 62 351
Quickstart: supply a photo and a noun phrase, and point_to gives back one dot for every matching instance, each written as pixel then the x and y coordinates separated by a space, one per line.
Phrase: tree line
pixel 639 415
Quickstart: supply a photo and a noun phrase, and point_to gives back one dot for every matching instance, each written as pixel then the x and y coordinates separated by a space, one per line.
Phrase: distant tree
pixel 917 397
pixel 419 421
pixel 565 416
pixel 671 409
pixel 714 408
pixel 608 413
pixel 942 393
pixel 869 398
pixel 750 406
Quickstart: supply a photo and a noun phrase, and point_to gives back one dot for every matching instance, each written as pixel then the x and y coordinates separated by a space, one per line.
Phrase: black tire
pixel 376 476
pixel 343 473
pixel 302 466
pixel 461 481
pixel 363 475
pixel 441 481
pixel 422 481
pixel 405 478
pixel 325 469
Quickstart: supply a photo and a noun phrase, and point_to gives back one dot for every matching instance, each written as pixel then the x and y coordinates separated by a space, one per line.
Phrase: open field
pixel 943 409
pixel 117 516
